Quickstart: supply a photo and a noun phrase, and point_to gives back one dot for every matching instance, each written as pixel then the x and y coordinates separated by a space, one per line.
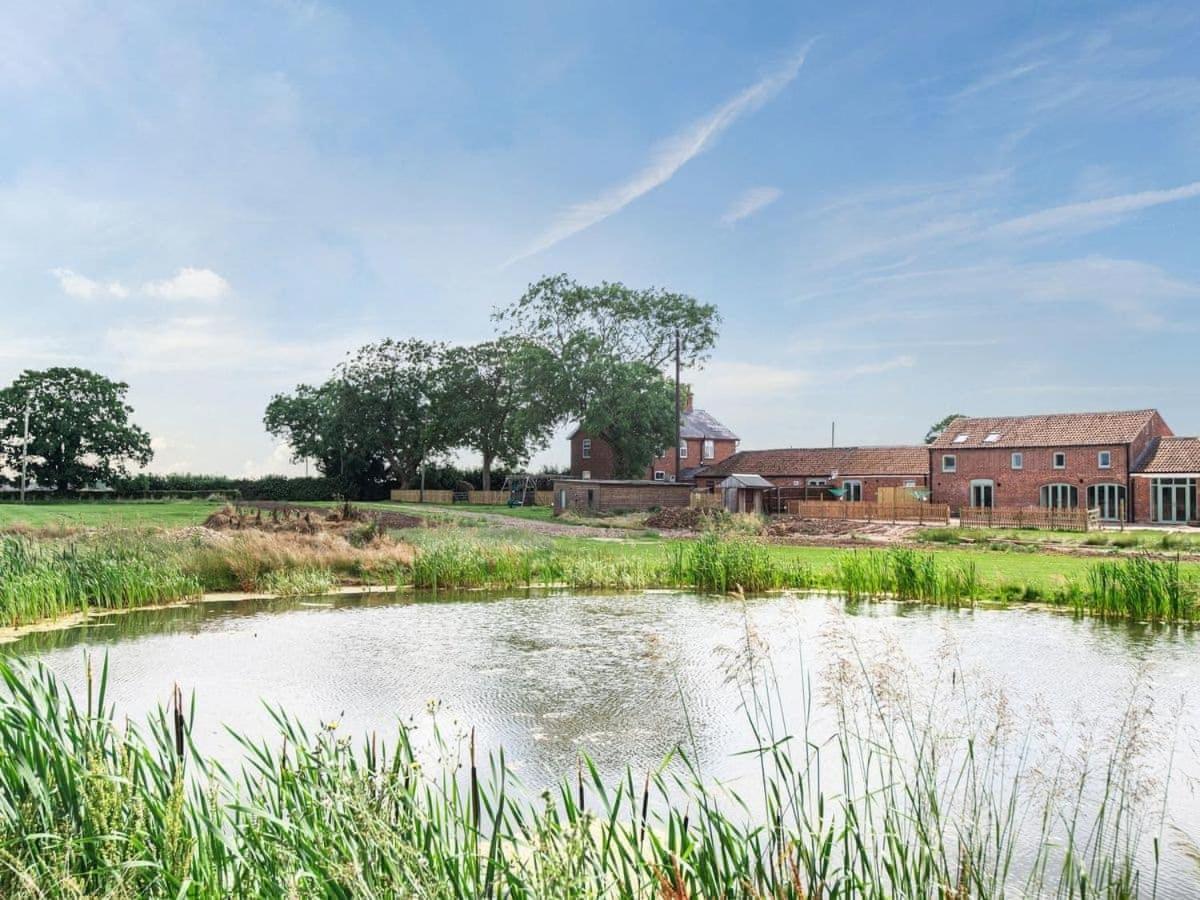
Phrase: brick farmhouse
pixel 810 473
pixel 1128 465
pixel 702 439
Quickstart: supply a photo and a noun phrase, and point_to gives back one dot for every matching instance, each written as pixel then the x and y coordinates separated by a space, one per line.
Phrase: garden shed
pixel 744 493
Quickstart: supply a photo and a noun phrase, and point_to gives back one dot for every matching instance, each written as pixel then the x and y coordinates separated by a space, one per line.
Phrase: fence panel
pixel 921 513
pixel 1029 517
pixel 705 500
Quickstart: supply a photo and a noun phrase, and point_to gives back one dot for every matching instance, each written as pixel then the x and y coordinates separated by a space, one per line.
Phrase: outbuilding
pixel 609 495
pixel 744 493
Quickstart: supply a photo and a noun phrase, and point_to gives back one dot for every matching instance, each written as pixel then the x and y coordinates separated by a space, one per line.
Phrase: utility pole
pixel 678 411
pixel 833 433
pixel 25 452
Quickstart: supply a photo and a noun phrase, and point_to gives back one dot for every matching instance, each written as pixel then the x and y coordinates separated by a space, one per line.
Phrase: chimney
pixel 687 398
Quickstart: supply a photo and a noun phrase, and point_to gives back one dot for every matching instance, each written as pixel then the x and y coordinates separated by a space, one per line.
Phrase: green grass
pixel 539 513
pixel 894 803
pixel 98 514
pixel 1132 538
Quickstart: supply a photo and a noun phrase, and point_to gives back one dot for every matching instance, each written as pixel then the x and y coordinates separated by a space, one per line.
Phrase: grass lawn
pixel 542 513
pixel 123 513
pixel 1130 539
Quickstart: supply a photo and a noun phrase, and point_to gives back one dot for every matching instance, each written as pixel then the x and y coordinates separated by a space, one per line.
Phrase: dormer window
pixel 961 438
pixel 992 438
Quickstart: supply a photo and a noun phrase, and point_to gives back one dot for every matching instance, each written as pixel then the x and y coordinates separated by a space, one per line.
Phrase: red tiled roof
pixel 823 461
pixel 1172 456
pixel 1055 430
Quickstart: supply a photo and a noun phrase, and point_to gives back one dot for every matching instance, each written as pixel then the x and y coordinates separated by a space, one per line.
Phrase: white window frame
pixel 1104 459
pixel 910 482
pixel 850 487
pixel 1114 491
pixel 660 475
pixel 949 463
pixel 1054 459
pixel 992 437
pixel 817 482
pixel 587 473
pixel 683 449
pixel 1055 492
pixel 710 449
pixel 1017 461
pixel 979 484
pixel 585 448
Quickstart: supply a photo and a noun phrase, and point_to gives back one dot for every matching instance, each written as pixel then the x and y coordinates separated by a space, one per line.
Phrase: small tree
pixel 941 425
pixel 79 428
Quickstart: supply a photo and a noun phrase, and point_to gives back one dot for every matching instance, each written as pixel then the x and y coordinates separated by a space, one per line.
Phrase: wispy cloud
pixel 995 79
pixel 1091 214
pixel 749 202
pixel 83 288
pixel 189 284
pixel 670 156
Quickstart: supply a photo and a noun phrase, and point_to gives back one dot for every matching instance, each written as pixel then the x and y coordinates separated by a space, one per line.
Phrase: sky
pixel 988 208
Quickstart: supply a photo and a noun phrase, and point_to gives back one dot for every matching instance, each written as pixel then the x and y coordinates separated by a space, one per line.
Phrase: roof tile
pixel 823 461
pixel 1173 456
pixel 1054 430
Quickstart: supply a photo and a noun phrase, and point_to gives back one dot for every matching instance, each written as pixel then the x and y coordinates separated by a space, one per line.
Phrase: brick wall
pixel 1022 487
pixel 600 465
pixel 870 483
pixel 695 449
pixel 599 496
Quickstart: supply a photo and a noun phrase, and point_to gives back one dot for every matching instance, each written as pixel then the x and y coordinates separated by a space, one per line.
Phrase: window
pixel 961 438
pixel 587 448
pixel 1018 461
pixel 992 438
pixel 660 475
pixel 1109 499
pixel 983 491
pixel 1104 459
pixel 710 449
pixel 817 482
pixel 949 463
pixel 852 491
pixel 587 473
pixel 1059 496
pixel 910 482
pixel 1060 460
pixel 1173 499
pixel 683 450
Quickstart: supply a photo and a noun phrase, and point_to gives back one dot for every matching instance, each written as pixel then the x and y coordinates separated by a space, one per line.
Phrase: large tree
pixel 601 344
pixel 80 432
pixel 634 409
pixel 488 401
pixel 374 421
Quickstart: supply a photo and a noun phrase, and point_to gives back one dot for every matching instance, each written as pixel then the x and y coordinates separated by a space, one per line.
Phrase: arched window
pixel 1109 499
pixel 1060 496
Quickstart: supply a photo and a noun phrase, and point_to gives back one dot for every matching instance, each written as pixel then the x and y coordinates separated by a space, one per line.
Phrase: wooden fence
pixel 1030 517
pixel 706 500
pixel 477 498
pixel 931 513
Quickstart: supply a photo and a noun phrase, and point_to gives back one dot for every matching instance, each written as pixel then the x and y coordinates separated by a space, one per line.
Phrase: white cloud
pixel 80 286
pixel 277 462
pixel 1091 214
pixel 749 202
pixel 669 157
pixel 189 284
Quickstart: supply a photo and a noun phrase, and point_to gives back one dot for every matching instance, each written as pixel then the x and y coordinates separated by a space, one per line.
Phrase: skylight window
pixel 961 438
pixel 992 438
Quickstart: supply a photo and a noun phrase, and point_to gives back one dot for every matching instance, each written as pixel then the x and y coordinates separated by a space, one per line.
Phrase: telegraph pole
pixel 678 411
pixel 25 452
pixel 833 433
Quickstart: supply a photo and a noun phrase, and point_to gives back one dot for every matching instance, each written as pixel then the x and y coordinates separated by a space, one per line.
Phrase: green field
pixel 125 513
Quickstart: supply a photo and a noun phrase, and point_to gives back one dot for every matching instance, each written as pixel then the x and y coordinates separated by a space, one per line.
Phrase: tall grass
pixel 891 806
pixel 40 580
pixel 1141 588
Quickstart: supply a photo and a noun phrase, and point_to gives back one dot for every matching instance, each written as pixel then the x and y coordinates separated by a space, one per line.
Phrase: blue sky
pixel 987 208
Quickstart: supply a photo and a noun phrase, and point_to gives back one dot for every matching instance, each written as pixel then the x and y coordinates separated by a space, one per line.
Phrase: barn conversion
pixel 827 473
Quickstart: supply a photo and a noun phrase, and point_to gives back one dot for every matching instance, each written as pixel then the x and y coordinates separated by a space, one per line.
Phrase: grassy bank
pixel 939 807
pixel 43 515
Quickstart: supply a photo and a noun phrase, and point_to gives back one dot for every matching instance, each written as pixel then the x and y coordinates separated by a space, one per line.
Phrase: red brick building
pixel 1064 460
pixel 702 440
pixel 810 472
pixel 1165 482
pixel 604 495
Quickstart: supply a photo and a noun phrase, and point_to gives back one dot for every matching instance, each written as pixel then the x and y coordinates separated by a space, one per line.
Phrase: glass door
pixel 1109 499
pixel 1175 498
pixel 983 493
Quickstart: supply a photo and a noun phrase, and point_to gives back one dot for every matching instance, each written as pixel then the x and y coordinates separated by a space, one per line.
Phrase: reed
pixel 1141 588
pixel 890 806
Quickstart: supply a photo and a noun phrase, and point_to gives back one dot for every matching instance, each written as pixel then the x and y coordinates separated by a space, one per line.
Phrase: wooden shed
pixel 744 493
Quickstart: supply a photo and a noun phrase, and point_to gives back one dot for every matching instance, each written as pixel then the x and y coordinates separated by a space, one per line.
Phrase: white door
pixel 983 492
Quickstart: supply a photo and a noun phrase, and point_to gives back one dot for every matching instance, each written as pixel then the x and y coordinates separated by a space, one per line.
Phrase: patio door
pixel 983 493
pixel 1109 499
pixel 1175 500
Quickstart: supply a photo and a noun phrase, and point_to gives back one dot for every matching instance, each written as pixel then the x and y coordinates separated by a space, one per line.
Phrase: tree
pixel 79 428
pixel 941 425
pixel 373 421
pixel 634 410
pixel 487 400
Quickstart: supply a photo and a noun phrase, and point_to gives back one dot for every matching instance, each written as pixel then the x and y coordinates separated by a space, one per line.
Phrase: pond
pixel 626 678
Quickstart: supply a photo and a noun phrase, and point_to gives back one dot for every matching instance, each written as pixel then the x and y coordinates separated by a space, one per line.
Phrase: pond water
pixel 627 678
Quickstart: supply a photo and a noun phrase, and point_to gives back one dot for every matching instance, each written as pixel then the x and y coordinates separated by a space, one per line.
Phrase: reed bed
pixel 890 806
pixel 1141 588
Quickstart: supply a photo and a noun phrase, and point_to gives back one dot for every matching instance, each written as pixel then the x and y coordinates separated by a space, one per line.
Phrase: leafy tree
pixel 941 425
pixel 634 409
pixel 374 421
pixel 79 428
pixel 487 401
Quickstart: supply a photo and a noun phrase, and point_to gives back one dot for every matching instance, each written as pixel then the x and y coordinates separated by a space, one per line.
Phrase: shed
pixel 597 495
pixel 744 493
